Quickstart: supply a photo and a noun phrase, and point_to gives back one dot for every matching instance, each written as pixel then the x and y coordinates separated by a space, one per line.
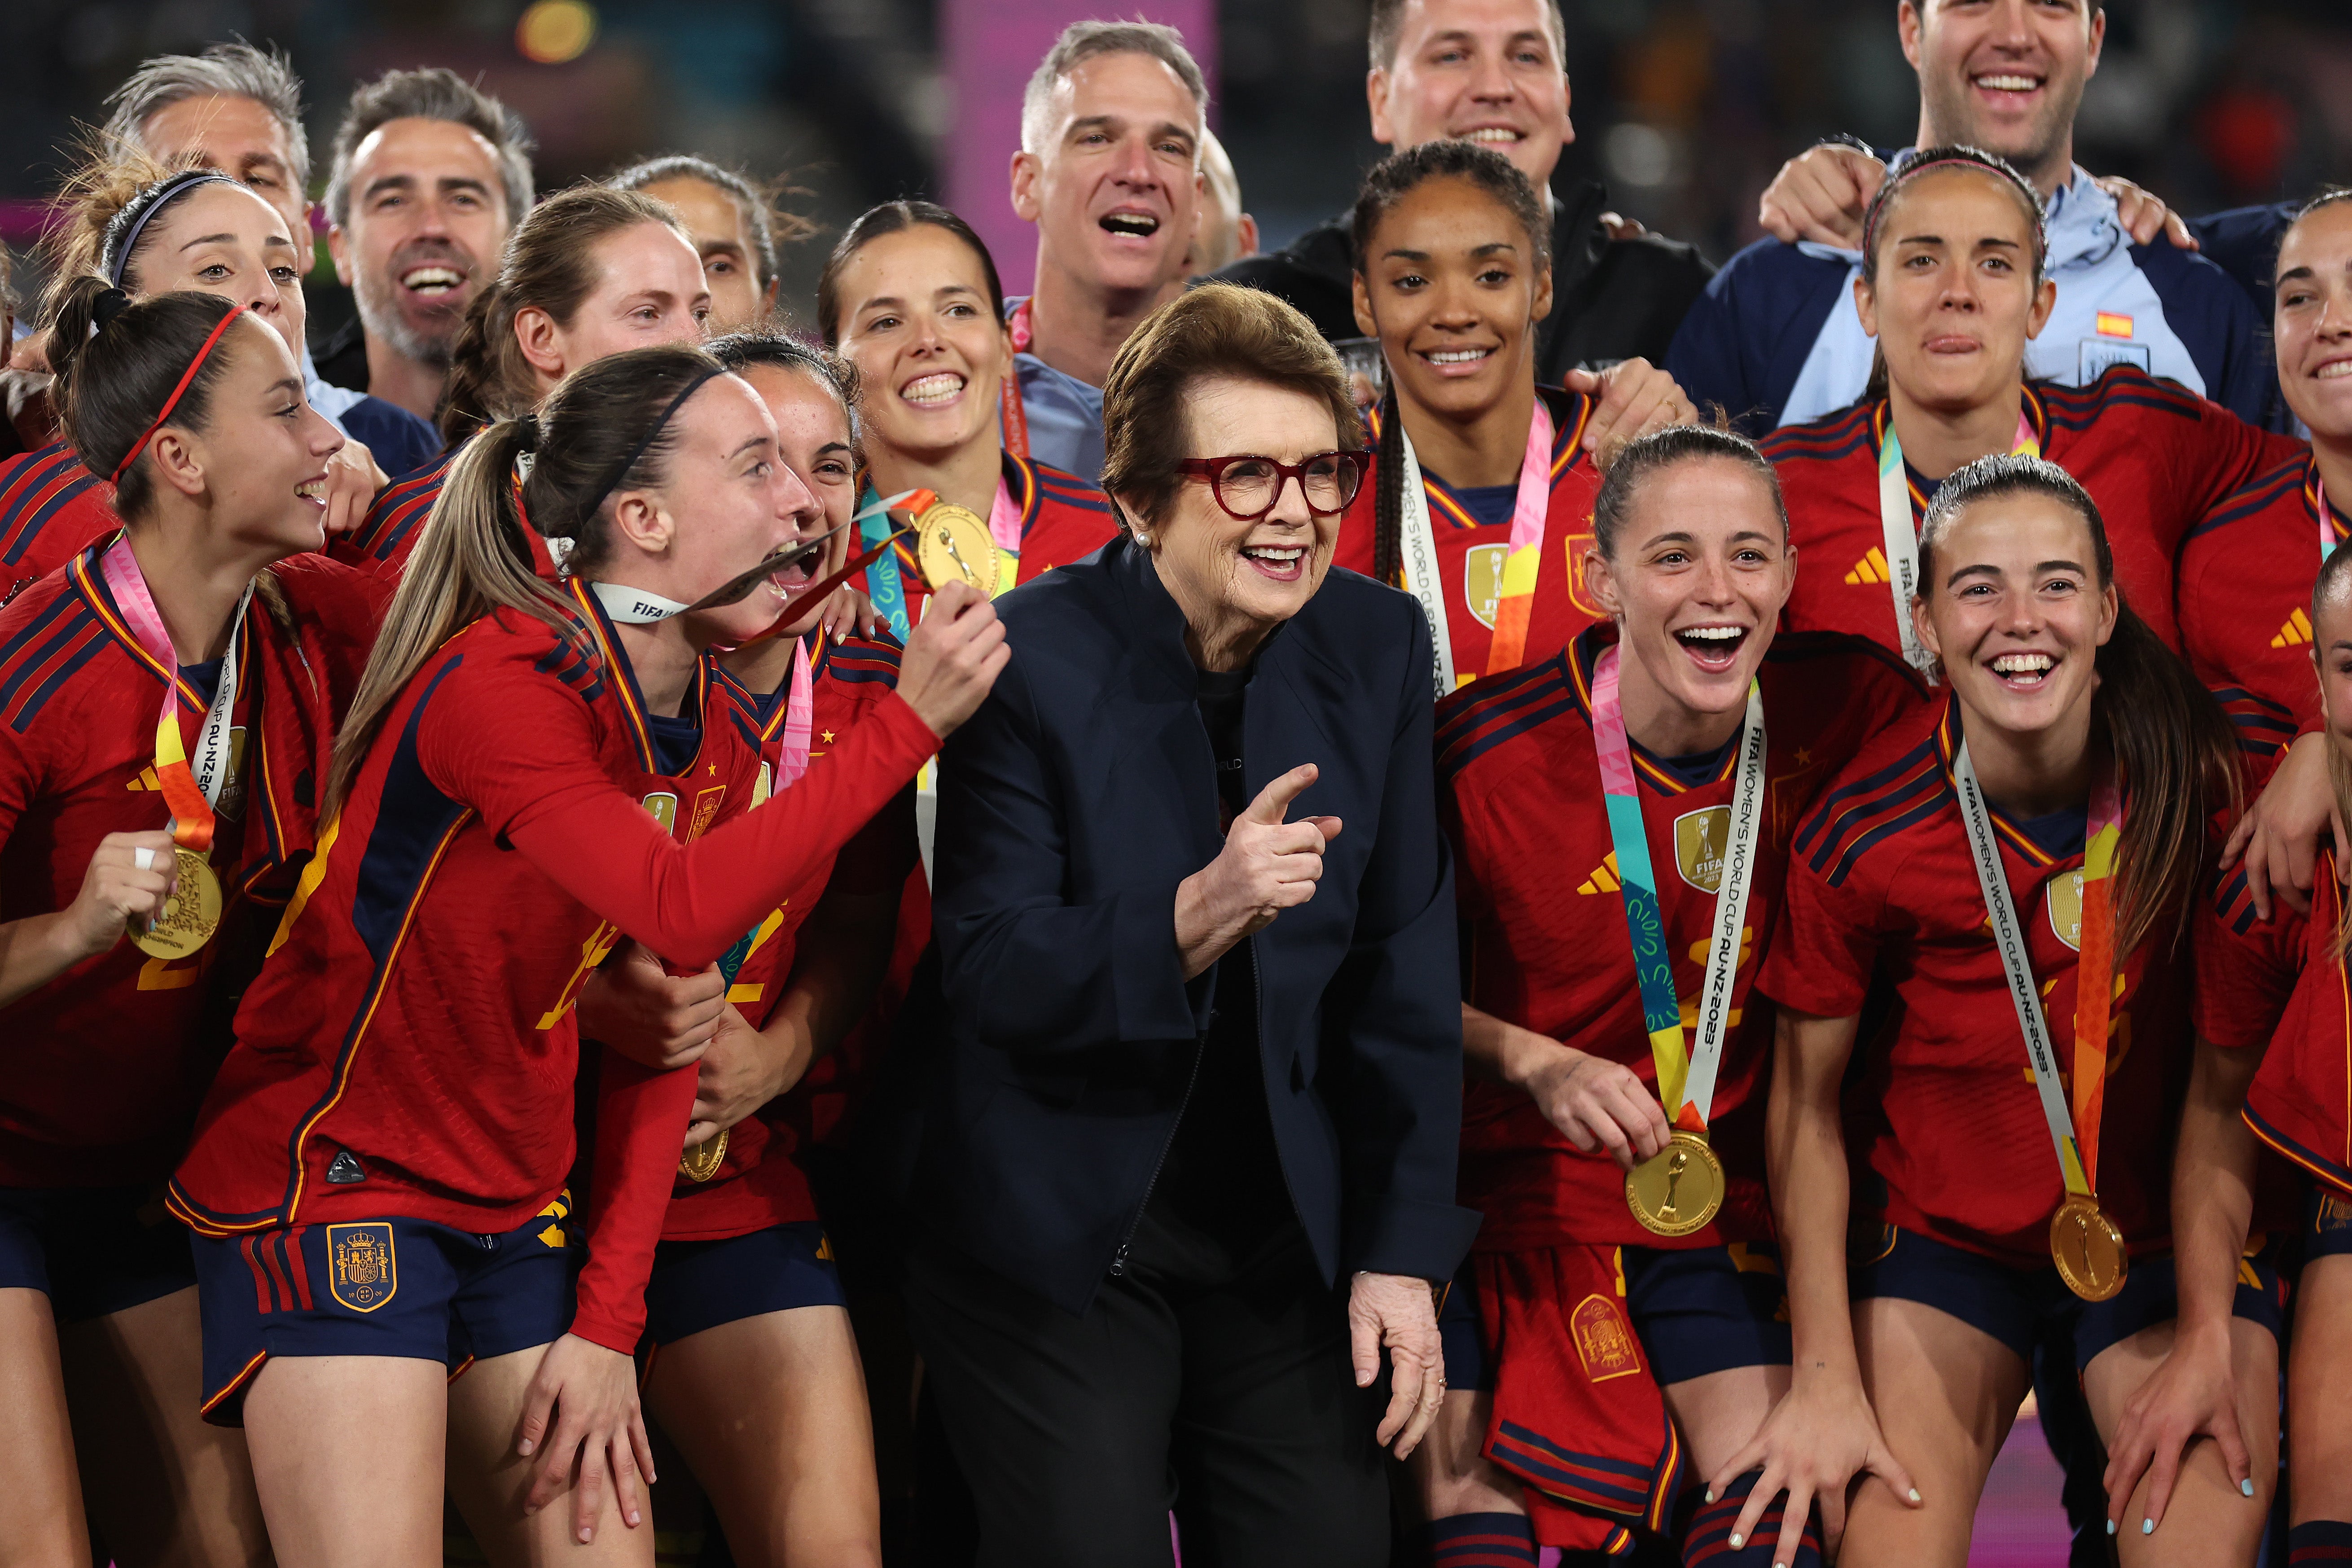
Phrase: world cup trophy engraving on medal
pixel 188 917
pixel 702 1161
pixel 953 545
pixel 1679 1189
pixel 2088 1248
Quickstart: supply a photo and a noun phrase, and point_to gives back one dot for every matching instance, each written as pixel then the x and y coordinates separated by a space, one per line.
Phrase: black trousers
pixel 1212 1378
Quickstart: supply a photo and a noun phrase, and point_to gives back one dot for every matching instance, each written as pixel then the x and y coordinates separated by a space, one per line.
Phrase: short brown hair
pixel 1217 330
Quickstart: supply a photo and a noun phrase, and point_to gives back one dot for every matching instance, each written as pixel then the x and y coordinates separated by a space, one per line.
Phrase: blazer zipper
pixel 1118 1260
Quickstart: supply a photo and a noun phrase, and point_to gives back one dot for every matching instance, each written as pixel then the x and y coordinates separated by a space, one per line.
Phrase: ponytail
pixel 470 560
pixel 1388 497
pixel 2176 755
pixel 473 559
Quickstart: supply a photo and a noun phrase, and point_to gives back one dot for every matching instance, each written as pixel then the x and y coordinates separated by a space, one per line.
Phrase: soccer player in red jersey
pixel 2020 863
pixel 193 410
pixel 2272 1022
pixel 1454 276
pixel 911 297
pixel 590 272
pixel 527 774
pixel 1952 287
pixel 1592 1362
pixel 147 229
pixel 754 1371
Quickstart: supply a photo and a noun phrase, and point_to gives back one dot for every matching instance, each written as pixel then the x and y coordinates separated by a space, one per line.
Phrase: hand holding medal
pixel 1679 1189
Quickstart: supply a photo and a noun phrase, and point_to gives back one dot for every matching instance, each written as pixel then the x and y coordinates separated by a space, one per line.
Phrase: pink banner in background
pixel 987 50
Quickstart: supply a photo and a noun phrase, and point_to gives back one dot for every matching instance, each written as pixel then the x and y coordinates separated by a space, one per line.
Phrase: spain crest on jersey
pixel 362 1271
pixel 1579 593
pixel 1604 1339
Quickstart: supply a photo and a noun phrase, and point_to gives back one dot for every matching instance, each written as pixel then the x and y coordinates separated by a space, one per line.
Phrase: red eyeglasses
pixel 1247 487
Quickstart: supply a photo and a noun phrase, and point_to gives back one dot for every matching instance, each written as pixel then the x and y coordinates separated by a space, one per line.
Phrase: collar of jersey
pixel 1882 412
pixel 1570 413
pixel 1583 655
pixel 633 701
pixel 2005 826
pixel 2341 518
pixel 82 570
pixel 772 706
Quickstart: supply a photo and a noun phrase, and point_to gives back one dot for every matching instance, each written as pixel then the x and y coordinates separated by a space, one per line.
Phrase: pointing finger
pixel 1274 799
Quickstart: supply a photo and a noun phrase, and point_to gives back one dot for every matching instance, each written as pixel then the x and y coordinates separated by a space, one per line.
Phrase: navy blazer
pixel 1070 808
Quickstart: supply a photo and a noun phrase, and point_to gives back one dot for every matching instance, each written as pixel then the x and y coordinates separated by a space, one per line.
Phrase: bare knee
pixel 1449 1473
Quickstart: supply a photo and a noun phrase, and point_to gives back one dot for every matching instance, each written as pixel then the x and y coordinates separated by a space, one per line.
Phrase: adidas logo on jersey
pixel 1871 568
pixel 1603 879
pixel 2296 633
pixel 147 780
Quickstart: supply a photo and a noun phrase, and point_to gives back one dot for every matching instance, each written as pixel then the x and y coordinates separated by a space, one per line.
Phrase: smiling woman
pixel 1201 1063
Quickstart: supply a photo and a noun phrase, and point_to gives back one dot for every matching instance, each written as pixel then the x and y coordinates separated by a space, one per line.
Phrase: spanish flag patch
pixel 2114 324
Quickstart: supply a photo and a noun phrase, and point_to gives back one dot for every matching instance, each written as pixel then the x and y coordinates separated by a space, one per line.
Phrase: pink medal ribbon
pixel 800 720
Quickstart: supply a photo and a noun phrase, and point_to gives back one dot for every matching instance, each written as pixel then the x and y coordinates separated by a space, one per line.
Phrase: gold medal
pixel 953 545
pixel 701 1162
pixel 189 917
pixel 1678 1189
pixel 2087 1249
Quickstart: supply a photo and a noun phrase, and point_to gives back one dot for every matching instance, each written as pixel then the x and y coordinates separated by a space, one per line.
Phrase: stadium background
pixel 1684 108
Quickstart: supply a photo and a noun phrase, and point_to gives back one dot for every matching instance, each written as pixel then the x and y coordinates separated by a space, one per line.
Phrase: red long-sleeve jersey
pixel 2244 596
pixel 51 506
pixel 1943 1127
pixel 1470 555
pixel 1544 936
pixel 410 1047
pixel 78 702
pixel 2155 457
pixel 760 1183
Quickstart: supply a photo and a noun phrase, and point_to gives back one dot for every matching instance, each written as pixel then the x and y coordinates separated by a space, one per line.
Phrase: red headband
pixel 187 377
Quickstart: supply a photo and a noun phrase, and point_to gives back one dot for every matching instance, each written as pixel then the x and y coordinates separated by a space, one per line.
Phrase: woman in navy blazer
pixel 1190 1151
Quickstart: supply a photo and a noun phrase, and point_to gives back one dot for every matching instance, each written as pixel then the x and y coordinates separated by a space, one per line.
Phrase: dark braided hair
pixel 1390 182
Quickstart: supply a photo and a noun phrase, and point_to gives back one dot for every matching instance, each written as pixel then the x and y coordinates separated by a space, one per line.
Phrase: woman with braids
pixel 530 773
pixel 1484 481
pixel 140 226
pixel 1952 286
pixel 1632 793
pixel 753 1369
pixel 910 297
pixel 2270 978
pixel 2020 863
pixel 589 272
pixel 142 854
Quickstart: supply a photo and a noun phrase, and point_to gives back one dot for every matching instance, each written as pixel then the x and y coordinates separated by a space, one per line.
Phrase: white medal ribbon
pixel 2015 963
pixel 208 765
pixel 1740 837
pixel 1417 550
pixel 1899 533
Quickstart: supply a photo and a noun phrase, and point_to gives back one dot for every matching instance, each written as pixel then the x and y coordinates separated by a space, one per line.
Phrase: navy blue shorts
pixel 698 1285
pixel 1697 1309
pixel 399 1286
pixel 92 1251
pixel 2016 1305
pixel 2326 1224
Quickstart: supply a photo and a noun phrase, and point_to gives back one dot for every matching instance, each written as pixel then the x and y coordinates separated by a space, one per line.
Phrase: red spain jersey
pixel 2155 457
pixel 2246 576
pixel 410 1048
pixel 2281 984
pixel 108 1061
pixel 1470 554
pixel 1943 1125
pixel 1544 940
pixel 52 505
pixel 1062 518
pixel 759 1183
pixel 387 536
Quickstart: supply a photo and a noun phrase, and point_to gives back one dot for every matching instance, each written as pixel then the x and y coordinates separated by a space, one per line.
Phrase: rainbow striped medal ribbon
pixel 1417 550
pixel 191 787
pixel 2084 1243
pixel 2326 518
pixel 1678 1190
pixel 1899 534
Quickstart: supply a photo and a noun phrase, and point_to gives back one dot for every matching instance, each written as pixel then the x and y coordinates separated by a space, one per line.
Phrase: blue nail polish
pixel 2247 1487
pixel 2111 1527
pixel 2148 1527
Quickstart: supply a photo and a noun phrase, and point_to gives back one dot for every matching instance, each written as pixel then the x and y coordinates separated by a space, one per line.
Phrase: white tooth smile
pixel 1496 136
pixel 1456 356
pixel 932 389
pixel 432 279
pixel 312 489
pixel 2008 83
pixel 2024 664
pixel 1142 224
pixel 2342 367
pixel 1714 634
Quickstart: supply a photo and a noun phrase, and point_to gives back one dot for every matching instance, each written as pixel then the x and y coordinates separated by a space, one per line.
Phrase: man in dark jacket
pixel 1491 73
